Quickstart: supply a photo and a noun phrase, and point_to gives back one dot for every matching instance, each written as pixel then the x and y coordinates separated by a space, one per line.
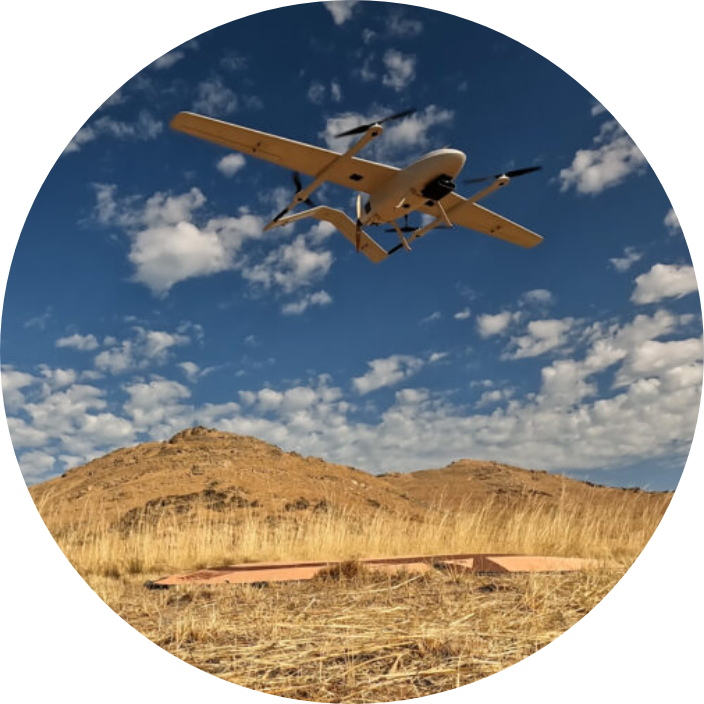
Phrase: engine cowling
pixel 438 188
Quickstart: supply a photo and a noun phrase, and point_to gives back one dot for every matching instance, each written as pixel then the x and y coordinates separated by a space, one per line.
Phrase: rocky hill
pixel 216 471
pixel 469 483
pixel 201 468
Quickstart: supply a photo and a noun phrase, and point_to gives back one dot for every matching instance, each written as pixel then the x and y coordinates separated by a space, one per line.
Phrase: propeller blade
pixel 299 187
pixel 361 129
pixel 354 130
pixel 521 172
pixel 511 174
pixel 398 115
pixel 358 231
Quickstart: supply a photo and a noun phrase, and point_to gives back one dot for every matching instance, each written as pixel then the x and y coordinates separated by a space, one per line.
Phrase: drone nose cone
pixel 455 160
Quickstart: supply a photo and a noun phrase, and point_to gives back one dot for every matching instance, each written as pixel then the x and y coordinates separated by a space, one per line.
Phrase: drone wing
pixel 474 217
pixel 358 174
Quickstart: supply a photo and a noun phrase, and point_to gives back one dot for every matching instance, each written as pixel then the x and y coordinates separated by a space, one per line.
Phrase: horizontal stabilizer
pixel 371 249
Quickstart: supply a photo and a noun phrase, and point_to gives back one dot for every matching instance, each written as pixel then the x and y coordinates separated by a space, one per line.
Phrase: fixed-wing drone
pixel 426 185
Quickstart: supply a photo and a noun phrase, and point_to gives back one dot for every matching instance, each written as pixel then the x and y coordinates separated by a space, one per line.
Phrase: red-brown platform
pixel 264 572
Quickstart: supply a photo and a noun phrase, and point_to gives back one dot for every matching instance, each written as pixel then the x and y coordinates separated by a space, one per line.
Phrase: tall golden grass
pixel 575 526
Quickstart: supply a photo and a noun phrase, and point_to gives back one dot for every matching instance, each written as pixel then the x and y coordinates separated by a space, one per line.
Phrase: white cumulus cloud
pixel 664 281
pixel 230 164
pixel 540 336
pixel 166 245
pixel 387 371
pixel 613 158
pixel 495 324
pixel 84 343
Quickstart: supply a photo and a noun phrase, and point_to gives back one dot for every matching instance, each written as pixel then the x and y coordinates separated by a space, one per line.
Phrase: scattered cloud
pixel 597 109
pixel 437 357
pixel 413 130
pixel 39 321
pixel 368 35
pixel 432 318
pixel 366 72
pixel 489 324
pixel 540 336
pixel 493 397
pixel 144 128
pixel 664 281
pixel 169 245
pixel 400 69
pixel 214 98
pixel 614 157
pixel 117 98
pixel 84 343
pixel 398 25
pixel 318 92
pixel 319 298
pixel 538 296
pixel 191 370
pixel 654 359
pixel 13 382
pixel 233 61
pixel 230 164
pixel 463 314
pixel 403 139
pixel 387 371
pixel 168 60
pixel 144 349
pixel 36 465
pixel 290 267
pixel 155 403
pixel 341 10
pixel 630 256
pixel 581 416
pixel 672 223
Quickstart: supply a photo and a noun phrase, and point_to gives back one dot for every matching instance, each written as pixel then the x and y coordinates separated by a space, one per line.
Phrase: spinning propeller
pixel 511 174
pixel 361 129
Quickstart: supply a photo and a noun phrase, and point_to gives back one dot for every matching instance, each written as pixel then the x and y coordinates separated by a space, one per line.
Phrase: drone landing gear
pixel 400 232
pixel 404 241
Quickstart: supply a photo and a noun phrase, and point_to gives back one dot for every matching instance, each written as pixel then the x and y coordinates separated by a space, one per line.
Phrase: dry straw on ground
pixel 357 637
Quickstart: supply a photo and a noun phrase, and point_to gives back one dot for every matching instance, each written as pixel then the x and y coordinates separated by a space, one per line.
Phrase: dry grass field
pixel 352 636
pixel 357 637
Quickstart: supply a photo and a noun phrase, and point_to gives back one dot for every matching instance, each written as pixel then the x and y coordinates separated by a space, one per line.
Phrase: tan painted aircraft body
pixel 426 186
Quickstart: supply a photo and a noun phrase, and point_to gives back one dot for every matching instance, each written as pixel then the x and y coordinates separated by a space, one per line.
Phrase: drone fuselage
pixel 426 181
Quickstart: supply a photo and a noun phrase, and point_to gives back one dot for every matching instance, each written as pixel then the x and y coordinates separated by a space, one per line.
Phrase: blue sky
pixel 144 296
